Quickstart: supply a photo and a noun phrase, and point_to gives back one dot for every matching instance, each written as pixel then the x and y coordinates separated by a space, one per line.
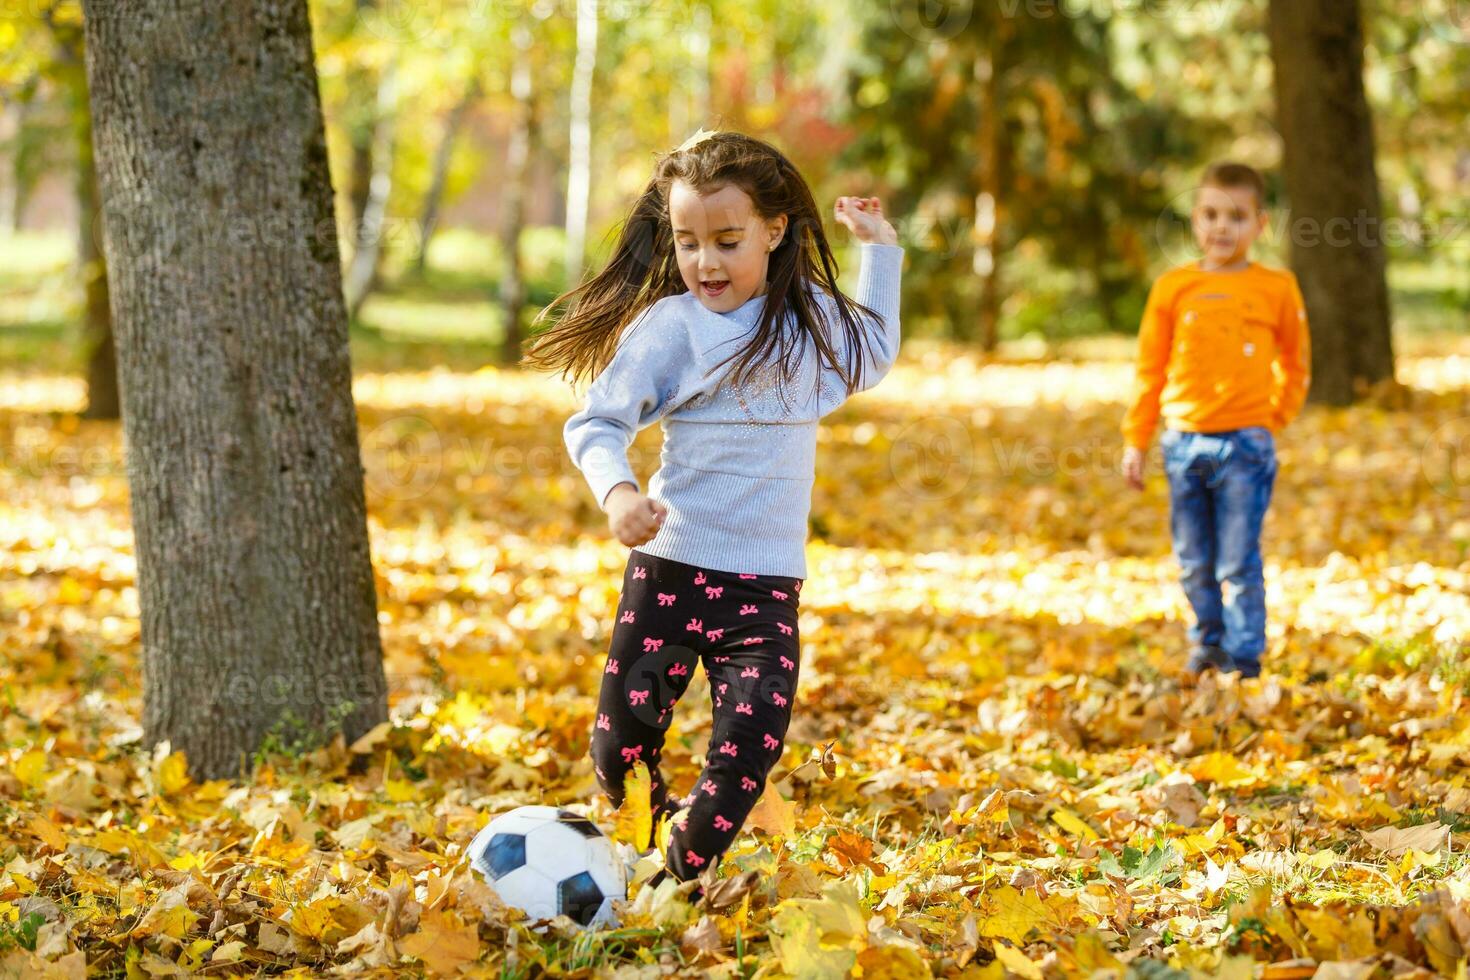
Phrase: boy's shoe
pixel 1209 658
pixel 1247 668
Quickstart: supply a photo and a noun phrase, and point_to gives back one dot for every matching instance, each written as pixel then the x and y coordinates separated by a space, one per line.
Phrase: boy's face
pixel 1226 222
pixel 722 245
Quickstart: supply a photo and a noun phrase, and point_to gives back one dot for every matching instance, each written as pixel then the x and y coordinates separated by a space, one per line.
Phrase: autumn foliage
pixel 993 769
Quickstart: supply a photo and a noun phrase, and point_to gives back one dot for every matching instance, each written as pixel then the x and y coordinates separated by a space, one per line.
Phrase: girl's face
pixel 723 246
pixel 1227 221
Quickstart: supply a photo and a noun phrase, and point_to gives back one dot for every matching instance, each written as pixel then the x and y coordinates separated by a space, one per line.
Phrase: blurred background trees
pixel 1037 155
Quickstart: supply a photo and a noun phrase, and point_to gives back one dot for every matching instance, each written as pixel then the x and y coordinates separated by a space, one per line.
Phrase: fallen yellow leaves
pixel 1011 915
pixel 994 768
pixel 634 823
pixel 443 942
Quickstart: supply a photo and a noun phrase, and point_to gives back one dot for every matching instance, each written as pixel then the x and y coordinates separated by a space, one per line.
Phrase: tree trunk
pixel 97 341
pixel 991 174
pixel 517 176
pixel 579 170
pixel 102 394
pixel 367 252
pixel 12 132
pixel 434 198
pixel 258 609
pixel 361 125
pixel 1337 247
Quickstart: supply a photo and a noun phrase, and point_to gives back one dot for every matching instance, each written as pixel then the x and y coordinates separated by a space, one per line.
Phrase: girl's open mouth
pixel 715 288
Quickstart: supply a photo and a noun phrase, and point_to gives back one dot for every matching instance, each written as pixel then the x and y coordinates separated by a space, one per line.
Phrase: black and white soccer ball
pixel 547 861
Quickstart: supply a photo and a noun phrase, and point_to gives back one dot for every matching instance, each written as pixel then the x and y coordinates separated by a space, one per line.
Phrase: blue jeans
pixel 1219 488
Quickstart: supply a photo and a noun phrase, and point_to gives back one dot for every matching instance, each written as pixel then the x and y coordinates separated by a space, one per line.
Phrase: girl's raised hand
pixel 863 216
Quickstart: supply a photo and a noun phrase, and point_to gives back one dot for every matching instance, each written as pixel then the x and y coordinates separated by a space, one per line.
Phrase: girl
pixel 718 314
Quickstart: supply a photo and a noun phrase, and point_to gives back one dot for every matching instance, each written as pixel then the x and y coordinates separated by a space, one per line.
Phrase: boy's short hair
pixel 1228 174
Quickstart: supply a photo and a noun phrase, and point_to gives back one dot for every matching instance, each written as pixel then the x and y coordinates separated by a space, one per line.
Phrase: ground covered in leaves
pixel 994 768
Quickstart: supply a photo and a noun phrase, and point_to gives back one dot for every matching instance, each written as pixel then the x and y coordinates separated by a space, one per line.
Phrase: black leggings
pixel 743 628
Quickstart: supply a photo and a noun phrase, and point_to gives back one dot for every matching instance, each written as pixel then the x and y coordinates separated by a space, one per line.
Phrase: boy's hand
pixel 1133 464
pixel 863 216
pixel 632 517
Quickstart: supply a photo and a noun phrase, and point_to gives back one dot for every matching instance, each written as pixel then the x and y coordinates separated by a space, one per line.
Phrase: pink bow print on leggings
pixel 666 598
pixel 629 754
pixel 650 644
pixel 692 859
pixel 721 823
pixel 638 697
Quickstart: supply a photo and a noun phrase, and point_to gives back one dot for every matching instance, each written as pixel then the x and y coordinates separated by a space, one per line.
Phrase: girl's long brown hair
pixel 643 269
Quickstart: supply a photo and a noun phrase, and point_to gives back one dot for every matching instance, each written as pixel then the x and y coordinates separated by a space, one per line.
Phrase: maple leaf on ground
pixel 443 942
pixel 1011 914
pixel 854 849
pixel 633 824
pixel 819 938
pixel 1397 841
pixel 1017 962
pixel 773 814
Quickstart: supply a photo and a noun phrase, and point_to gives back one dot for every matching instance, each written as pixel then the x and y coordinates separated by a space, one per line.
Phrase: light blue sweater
pixel 737 465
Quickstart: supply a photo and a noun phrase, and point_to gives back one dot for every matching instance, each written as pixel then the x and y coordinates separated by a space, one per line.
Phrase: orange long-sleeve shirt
pixel 1219 351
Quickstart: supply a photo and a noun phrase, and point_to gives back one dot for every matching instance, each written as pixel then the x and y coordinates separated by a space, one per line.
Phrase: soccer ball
pixel 546 862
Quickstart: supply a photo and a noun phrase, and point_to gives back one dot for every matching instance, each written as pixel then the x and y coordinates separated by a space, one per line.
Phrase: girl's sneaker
pixel 695 896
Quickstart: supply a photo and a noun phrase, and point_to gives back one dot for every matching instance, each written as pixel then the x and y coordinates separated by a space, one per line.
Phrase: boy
pixel 1224 357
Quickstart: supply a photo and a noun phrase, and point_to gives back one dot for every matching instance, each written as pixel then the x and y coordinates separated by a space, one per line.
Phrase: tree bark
pixel 517 177
pixel 367 252
pixel 259 614
pixel 102 394
pixel 1336 230
pixel 991 180
pixel 97 341
pixel 12 133
pixel 434 198
pixel 579 169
